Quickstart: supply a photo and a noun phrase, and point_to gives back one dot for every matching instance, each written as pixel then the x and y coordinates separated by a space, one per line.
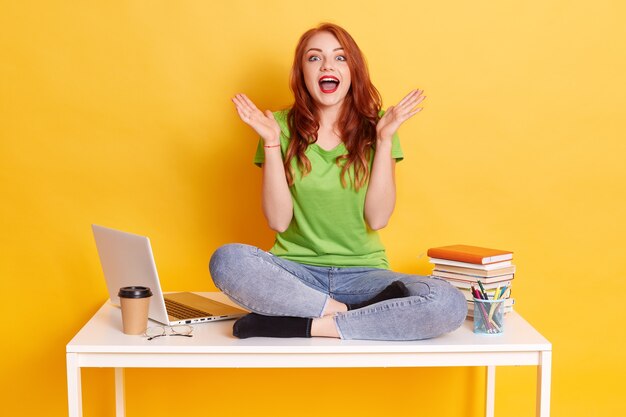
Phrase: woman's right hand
pixel 263 123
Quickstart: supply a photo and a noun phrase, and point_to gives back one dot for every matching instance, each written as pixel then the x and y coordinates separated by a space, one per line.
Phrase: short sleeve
pixel 396 149
pixel 259 156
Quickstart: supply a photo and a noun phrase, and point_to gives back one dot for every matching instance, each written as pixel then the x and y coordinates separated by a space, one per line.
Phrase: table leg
pixel 120 398
pixel 543 383
pixel 490 398
pixel 74 391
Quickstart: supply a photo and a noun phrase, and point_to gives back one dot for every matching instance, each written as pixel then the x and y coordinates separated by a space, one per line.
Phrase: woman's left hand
pixel 398 114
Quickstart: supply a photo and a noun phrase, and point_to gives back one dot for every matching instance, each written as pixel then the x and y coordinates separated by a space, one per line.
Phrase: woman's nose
pixel 327 65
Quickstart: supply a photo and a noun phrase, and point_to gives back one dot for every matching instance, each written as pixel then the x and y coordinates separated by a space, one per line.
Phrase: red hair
pixel 357 119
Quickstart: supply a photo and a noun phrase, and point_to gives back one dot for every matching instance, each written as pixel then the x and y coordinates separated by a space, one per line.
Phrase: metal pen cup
pixel 489 316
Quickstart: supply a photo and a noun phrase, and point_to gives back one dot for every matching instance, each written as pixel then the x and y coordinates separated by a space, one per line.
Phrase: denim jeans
pixel 266 284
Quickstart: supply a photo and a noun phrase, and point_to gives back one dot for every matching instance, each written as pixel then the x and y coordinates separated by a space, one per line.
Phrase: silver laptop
pixel 127 260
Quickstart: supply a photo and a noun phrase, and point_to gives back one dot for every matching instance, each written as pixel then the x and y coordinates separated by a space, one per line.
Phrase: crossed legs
pixel 351 303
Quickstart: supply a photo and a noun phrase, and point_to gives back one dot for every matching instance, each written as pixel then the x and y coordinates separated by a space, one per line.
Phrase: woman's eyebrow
pixel 319 50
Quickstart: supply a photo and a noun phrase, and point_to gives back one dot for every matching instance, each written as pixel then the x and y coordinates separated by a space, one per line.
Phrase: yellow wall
pixel 119 113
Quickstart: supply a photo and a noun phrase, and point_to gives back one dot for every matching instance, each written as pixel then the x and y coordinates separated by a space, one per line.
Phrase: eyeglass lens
pixel 158 331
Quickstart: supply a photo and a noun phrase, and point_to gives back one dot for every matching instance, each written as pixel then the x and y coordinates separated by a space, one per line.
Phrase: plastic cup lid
pixel 134 292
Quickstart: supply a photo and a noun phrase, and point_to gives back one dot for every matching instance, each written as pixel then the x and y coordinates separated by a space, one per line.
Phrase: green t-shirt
pixel 328 227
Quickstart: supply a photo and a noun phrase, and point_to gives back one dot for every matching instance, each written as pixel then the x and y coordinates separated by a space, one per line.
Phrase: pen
pixel 486 320
pixel 476 293
pixel 483 311
pixel 495 325
pixel 505 290
pixel 480 284
pixel 493 307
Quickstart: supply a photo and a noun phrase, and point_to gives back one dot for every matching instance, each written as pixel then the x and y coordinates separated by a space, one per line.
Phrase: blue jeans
pixel 269 285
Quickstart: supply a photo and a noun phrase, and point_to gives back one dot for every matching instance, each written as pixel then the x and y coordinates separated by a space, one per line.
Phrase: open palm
pixel 398 114
pixel 263 123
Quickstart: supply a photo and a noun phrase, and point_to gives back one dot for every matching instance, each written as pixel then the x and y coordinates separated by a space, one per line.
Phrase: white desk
pixel 101 343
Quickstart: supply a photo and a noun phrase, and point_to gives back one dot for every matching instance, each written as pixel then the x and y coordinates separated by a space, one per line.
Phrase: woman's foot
pixel 257 325
pixel 396 289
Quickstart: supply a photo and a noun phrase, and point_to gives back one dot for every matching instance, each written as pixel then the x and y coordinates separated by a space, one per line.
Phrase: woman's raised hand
pixel 263 123
pixel 398 114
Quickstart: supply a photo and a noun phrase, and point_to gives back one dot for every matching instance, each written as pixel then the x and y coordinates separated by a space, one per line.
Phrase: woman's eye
pixel 314 58
pixel 340 58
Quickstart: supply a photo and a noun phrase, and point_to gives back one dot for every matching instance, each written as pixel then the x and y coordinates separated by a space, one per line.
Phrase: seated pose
pixel 328 167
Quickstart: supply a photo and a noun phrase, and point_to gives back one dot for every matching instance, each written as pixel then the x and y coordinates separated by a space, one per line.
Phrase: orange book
pixel 470 254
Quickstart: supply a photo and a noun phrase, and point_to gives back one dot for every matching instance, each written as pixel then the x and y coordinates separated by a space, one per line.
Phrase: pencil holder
pixel 488 316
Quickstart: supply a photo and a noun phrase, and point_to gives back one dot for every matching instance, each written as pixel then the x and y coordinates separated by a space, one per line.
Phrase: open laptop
pixel 127 260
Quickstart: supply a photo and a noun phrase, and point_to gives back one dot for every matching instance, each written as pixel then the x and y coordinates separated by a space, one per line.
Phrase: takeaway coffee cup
pixel 135 304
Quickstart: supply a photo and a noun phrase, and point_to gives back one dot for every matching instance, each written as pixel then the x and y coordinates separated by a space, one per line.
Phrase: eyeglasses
pixel 158 331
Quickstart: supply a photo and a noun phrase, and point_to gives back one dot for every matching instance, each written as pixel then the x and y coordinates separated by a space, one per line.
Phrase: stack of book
pixel 466 266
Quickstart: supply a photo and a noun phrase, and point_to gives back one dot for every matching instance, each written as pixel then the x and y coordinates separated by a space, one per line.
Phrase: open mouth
pixel 329 84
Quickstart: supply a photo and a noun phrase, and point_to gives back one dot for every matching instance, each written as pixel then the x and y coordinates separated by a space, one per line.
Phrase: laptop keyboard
pixel 183 311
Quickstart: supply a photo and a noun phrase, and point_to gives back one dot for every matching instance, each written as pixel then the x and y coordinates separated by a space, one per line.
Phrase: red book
pixel 470 254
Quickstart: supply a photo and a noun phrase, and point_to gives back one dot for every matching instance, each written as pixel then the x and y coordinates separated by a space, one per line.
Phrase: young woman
pixel 328 185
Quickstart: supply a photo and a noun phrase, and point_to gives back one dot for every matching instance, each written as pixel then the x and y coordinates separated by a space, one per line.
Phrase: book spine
pixel 475 272
pixel 468 284
pixel 472 278
pixel 467 292
pixel 487 267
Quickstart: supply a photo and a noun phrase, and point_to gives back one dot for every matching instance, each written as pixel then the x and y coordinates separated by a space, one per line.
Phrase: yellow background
pixel 119 113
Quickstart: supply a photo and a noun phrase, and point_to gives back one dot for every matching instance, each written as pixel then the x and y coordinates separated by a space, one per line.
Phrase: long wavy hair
pixel 357 119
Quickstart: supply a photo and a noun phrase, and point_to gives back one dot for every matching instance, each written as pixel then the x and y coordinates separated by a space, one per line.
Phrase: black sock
pixel 396 289
pixel 256 325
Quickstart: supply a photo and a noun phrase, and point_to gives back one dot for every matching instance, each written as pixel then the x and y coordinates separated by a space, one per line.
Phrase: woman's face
pixel 326 71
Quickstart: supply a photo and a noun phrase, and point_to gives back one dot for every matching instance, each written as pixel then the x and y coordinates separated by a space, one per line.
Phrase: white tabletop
pixel 103 334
